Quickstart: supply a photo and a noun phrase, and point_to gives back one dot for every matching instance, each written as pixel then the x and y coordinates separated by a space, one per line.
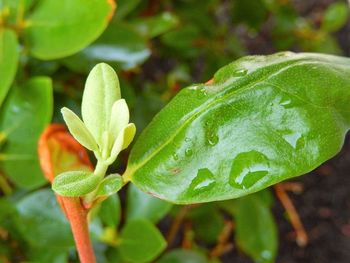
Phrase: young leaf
pixel 8 60
pixel 335 17
pixel 119 118
pixel 140 241
pixel 257 124
pixel 78 129
pixel 256 232
pixel 110 185
pixel 110 211
pixel 75 183
pixel 60 28
pixel 141 205
pixel 123 140
pixel 25 113
pixel 100 93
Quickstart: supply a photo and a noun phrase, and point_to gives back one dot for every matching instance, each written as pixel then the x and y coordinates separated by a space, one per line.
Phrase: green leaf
pixel 156 25
pixel 183 256
pixel 110 211
pixel 253 13
pixel 78 129
pixel 259 123
pixel 100 93
pixel 256 232
pixel 119 118
pixel 208 223
pixel 8 60
pixel 140 205
pixel 123 140
pixel 110 185
pixel 41 221
pixel 335 17
pixel 60 28
pixel 75 183
pixel 24 115
pixel 120 45
pixel 140 241
pixel 125 7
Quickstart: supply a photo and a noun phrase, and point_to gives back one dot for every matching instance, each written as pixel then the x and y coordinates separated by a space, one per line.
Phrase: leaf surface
pixel 8 60
pixel 264 119
pixel 60 28
pixel 25 113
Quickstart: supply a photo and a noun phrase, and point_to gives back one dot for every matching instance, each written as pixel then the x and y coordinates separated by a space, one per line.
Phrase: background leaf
pixel 23 117
pixel 141 205
pixel 140 241
pixel 8 60
pixel 72 28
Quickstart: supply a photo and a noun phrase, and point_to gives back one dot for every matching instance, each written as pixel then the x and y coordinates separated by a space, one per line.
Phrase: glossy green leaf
pixel 8 60
pixel 100 93
pixel 110 185
pixel 120 45
pixel 259 123
pixel 75 183
pixel 335 17
pixel 119 118
pixel 78 129
pixel 24 115
pixel 256 231
pixel 141 205
pixel 60 28
pixel 42 222
pixel 140 241
pixel 183 256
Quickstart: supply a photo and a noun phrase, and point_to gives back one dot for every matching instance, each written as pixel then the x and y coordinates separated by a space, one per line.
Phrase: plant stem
pixel 77 216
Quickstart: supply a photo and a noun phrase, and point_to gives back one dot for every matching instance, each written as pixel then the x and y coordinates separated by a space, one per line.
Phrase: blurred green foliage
pixel 157 47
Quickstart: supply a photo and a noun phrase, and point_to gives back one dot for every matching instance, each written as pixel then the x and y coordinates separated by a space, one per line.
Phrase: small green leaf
pixel 119 118
pixel 54 28
pixel 257 124
pixel 256 231
pixel 75 183
pixel 100 93
pixel 8 60
pixel 141 205
pixel 335 17
pixel 123 140
pixel 140 241
pixel 110 185
pixel 78 129
pixel 183 256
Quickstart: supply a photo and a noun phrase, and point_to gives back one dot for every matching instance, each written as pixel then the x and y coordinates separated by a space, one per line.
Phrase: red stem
pixel 77 216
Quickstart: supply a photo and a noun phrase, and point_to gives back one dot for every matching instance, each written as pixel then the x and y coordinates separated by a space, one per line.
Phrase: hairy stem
pixel 77 216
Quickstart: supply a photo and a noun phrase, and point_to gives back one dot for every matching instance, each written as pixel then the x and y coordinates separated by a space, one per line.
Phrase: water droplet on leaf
pixel 188 152
pixel 203 181
pixel 176 156
pixel 213 139
pixel 248 168
pixel 240 72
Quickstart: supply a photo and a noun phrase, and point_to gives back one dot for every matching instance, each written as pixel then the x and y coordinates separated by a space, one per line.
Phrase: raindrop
pixel 248 168
pixel 176 156
pixel 187 139
pixel 188 152
pixel 213 139
pixel 240 72
pixel 203 181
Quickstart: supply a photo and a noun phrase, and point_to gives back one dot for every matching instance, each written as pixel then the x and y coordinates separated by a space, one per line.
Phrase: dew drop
pixel 188 152
pixel 240 72
pixel 213 139
pixel 265 254
pixel 176 156
pixel 187 139
pixel 202 93
pixel 248 168
pixel 203 181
